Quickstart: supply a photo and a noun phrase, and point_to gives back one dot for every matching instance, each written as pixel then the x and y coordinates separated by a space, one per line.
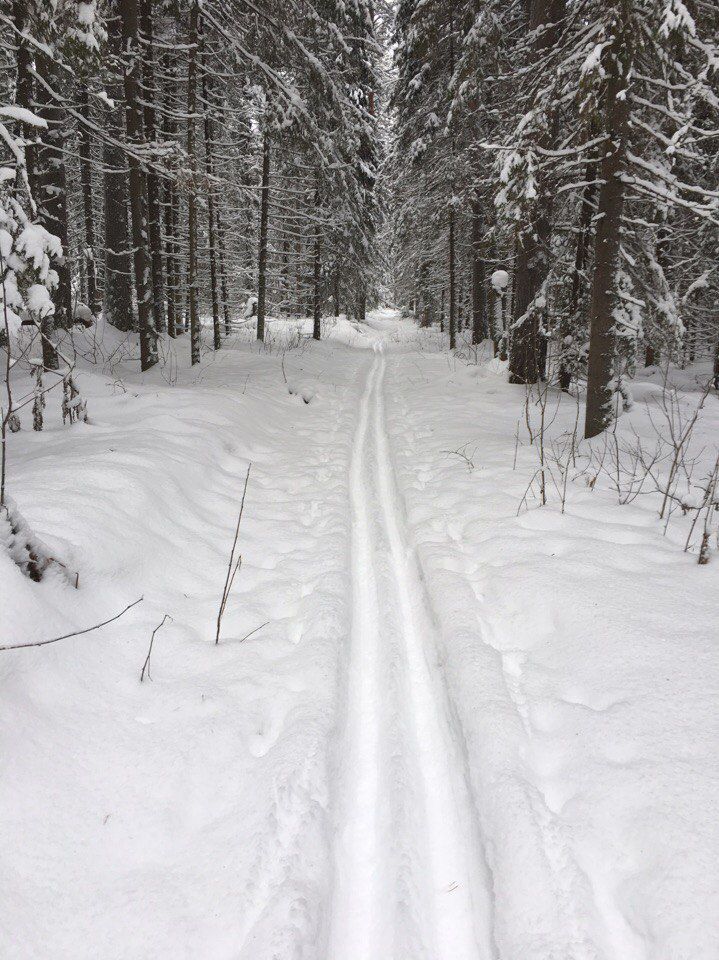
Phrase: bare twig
pixel 75 633
pixel 233 565
pixel 256 630
pixel 146 664
pixel 461 452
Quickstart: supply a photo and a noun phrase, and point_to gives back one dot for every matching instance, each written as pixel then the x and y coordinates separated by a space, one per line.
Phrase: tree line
pixel 554 183
pixel 169 160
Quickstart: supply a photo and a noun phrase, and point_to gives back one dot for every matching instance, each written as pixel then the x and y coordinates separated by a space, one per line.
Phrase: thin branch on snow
pixel 75 633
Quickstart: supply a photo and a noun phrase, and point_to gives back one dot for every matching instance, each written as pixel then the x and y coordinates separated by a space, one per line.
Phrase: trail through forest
pixel 407 820
pixel 448 738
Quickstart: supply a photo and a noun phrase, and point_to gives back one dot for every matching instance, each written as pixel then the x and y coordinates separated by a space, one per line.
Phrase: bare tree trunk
pixel 580 260
pixel 223 271
pixel 117 290
pixel 208 131
pixel 479 294
pixel 51 197
pixel 154 214
pixel 37 164
pixel 262 253
pixel 336 289
pixel 532 249
pixel 298 277
pixel 86 183
pixel 24 88
pixel 617 61
pixel 192 281
pixel 317 270
pixel 452 291
pixel 170 202
pixel 138 199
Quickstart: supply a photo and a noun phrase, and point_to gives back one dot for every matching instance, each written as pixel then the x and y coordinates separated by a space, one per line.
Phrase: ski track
pixel 392 632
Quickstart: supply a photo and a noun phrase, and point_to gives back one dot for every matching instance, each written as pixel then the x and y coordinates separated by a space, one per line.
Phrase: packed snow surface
pixel 469 727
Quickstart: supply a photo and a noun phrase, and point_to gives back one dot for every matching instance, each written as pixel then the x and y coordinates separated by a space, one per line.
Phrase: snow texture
pixel 466 731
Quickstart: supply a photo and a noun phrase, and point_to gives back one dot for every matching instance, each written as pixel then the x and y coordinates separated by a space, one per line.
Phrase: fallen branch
pixel 233 565
pixel 75 633
pixel 146 664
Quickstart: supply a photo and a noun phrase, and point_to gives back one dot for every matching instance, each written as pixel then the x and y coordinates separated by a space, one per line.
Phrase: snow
pixel 499 281
pixel 38 300
pixel 593 62
pixel 23 115
pixel 469 729
pixel 83 314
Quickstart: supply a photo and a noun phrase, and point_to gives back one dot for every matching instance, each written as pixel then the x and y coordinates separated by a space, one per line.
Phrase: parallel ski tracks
pixel 392 629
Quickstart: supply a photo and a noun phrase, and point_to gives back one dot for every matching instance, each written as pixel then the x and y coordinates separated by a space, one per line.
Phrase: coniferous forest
pixel 359 479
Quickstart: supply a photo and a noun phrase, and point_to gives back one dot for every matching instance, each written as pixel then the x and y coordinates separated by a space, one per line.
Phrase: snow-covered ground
pixel 469 726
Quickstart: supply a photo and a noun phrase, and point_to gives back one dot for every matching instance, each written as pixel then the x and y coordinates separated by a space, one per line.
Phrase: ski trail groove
pixel 453 890
pixel 450 851
pixel 359 929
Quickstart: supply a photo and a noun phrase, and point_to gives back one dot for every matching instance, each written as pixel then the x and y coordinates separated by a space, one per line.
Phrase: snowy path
pixel 465 732
pixel 409 878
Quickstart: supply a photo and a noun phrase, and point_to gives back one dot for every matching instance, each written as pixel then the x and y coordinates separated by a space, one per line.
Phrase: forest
pixel 359 479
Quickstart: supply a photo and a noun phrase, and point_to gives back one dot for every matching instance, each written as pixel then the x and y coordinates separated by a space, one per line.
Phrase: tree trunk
pixel 170 202
pixel 208 131
pixel 262 252
pixel 117 290
pixel 51 197
pixel 479 295
pixel 298 277
pixel 86 183
pixel 524 346
pixel 336 290
pixel 138 199
pixel 532 244
pixel 223 271
pixel 24 87
pixel 580 262
pixel 192 281
pixel 317 271
pixel 452 292
pixel 154 215
pixel 607 242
